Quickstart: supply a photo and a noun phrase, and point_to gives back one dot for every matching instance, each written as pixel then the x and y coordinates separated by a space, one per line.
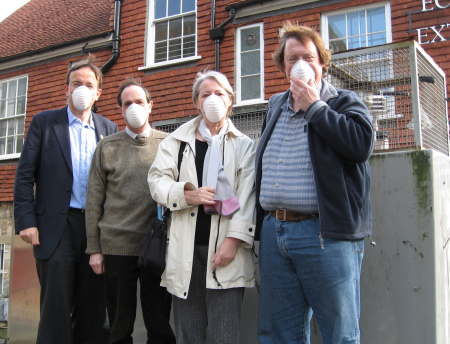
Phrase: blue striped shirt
pixel 82 146
pixel 287 175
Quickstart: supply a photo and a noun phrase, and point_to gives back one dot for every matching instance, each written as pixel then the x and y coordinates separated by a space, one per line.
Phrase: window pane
pixel 336 26
pixel 20 105
pixel 338 45
pixel 174 7
pixel 22 90
pixel 19 143
pixel 3 88
pixel 250 63
pixel 353 23
pixel 376 20
pixel 188 46
pixel 2 108
pixel 3 128
pixel 2 146
pixel 12 88
pixel 161 32
pixel 188 5
pixel 175 28
pixel 362 24
pixel 250 87
pixel 357 42
pixel 21 125
pixel 160 9
pixel 11 127
pixel 250 39
pixel 161 51
pixel 189 25
pixel 377 39
pixel 10 145
pixel 174 49
pixel 10 107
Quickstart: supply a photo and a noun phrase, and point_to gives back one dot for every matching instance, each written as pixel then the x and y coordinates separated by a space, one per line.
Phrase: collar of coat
pixel 187 130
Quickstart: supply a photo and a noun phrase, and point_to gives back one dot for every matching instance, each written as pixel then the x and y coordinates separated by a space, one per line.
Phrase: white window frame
pixel 238 75
pixel 387 13
pixel 150 41
pixel 15 154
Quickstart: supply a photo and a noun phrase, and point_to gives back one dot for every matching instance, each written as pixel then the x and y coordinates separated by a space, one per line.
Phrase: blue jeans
pixel 302 273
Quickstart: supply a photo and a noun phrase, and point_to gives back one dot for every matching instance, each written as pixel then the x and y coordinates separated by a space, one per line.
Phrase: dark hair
pixel 87 62
pixel 132 82
pixel 301 34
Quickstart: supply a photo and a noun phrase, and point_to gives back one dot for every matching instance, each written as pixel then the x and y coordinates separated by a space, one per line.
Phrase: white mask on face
pixel 82 97
pixel 136 115
pixel 302 70
pixel 214 108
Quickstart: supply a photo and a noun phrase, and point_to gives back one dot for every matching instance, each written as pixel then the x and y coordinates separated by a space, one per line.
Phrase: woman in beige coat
pixel 209 255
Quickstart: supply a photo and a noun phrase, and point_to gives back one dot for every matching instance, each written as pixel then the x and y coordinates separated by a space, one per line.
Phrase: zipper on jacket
pixel 322 246
pixel 315 186
pixel 372 242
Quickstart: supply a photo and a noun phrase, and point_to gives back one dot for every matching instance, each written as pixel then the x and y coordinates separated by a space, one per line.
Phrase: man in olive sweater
pixel 119 210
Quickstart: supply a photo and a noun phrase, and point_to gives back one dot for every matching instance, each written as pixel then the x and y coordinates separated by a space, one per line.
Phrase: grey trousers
pixel 212 313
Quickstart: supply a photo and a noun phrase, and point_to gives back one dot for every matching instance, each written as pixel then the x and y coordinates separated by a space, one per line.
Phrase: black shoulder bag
pixel 152 257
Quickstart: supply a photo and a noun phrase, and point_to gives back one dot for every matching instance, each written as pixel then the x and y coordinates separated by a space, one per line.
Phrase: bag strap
pixel 180 159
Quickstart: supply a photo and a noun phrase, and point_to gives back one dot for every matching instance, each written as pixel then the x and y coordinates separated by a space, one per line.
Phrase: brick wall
pixel 171 88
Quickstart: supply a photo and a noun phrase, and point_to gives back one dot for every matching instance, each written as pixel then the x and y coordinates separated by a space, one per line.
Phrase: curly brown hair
pixel 301 34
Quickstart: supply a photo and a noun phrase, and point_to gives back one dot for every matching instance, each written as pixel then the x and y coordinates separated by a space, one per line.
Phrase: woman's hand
pixel 203 195
pixel 226 252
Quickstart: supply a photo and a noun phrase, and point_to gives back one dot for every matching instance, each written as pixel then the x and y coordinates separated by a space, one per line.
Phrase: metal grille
pixel 403 89
pixel 246 120
pixel 169 126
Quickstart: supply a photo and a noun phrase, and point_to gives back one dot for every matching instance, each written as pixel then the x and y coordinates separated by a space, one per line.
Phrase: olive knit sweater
pixel 119 207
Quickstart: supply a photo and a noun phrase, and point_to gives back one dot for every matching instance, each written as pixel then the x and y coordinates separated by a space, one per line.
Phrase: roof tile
pixel 45 23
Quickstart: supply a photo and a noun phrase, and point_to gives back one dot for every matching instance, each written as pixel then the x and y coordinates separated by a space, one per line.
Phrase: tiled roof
pixel 45 23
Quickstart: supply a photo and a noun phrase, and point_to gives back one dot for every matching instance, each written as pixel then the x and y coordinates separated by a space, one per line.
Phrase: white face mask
pixel 136 115
pixel 82 97
pixel 302 70
pixel 214 108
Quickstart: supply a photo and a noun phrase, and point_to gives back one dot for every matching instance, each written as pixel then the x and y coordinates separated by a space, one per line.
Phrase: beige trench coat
pixel 239 160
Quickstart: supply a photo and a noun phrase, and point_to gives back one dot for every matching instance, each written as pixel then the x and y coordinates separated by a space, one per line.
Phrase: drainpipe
pixel 115 39
pixel 218 33
pixel 213 14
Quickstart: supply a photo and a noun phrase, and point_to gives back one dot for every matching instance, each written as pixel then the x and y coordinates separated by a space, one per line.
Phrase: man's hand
pixel 226 252
pixel 30 235
pixel 303 94
pixel 203 195
pixel 96 263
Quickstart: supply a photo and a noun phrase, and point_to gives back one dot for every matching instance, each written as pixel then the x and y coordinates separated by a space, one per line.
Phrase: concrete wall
pixel 405 278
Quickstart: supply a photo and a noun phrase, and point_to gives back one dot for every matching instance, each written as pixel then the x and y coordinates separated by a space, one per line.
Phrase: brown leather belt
pixel 285 215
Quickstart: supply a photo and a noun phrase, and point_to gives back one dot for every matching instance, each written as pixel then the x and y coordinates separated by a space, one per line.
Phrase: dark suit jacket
pixel 46 163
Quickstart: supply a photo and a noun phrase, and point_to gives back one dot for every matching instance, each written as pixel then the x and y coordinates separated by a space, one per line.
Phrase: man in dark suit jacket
pixel 55 160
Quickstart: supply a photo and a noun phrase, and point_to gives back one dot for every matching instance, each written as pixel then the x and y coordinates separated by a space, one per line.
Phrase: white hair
pixel 216 76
